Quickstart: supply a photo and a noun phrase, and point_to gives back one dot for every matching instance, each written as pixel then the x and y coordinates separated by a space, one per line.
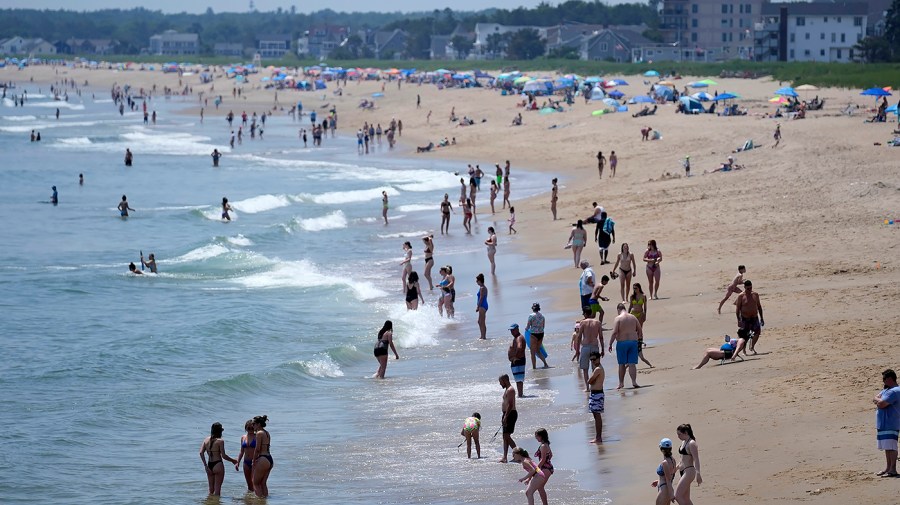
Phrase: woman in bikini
pixel 626 268
pixel 637 306
pixel 226 208
pixel 468 211
pixel 653 257
pixel 554 197
pixel 472 189
pixel 577 240
pixel 263 462
pixel 447 292
pixel 384 206
pixel 413 292
pixel 494 190
pixel 214 447
pixel 406 264
pixel 491 244
pixel 429 259
pixel 689 466
pixel 385 341
pixel 248 452
pixel 446 208
pixel 535 478
pixel 543 455
pixel 666 473
pixel 481 305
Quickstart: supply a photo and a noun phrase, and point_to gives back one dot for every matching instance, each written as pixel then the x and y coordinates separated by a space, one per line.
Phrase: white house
pixel 19 45
pixel 811 31
pixel 172 43
pixel 485 30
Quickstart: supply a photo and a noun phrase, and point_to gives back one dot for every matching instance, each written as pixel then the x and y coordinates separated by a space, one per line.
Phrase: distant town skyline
pixel 176 6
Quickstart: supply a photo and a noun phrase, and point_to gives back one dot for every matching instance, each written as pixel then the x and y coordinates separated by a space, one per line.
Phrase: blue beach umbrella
pixel 643 99
pixel 786 91
pixel 611 102
pixel 616 94
pixel 876 92
pixel 702 96
pixel 699 84
pixel 651 73
pixel 725 96
pixel 616 82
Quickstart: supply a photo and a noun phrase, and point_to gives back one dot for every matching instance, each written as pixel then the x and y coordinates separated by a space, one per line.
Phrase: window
pixel 821 52
pixel 826 19
pixel 604 47
pixel 851 54
pixel 806 52
pixel 858 37
pixel 822 36
pixel 834 37
pixel 792 54
pixel 807 35
pixel 694 8
pixel 694 23
pixel 748 9
pixel 839 20
pixel 741 8
pixel 857 21
pixel 801 21
pixel 724 21
pixel 792 38
pixel 724 37
pixel 838 54
pixel 843 37
pixel 693 37
pixel 649 52
pixel 724 9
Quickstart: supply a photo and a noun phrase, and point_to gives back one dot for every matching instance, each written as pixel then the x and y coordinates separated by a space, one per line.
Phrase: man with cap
pixel 586 283
pixel 516 355
pixel 535 328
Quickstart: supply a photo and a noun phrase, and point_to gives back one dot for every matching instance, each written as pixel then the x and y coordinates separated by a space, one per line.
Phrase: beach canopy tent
pixel 698 84
pixel 597 93
pixel 616 94
pixel 876 92
pixel 611 102
pixel 320 84
pixel 663 91
pixel 482 75
pixel 806 87
pixel 615 82
pixel 642 99
pixel 538 86
pixel 691 104
pixel 593 79
pixel 651 73
pixel 703 96
pixel 563 82
pixel 786 91
pixel 725 96
pixel 893 108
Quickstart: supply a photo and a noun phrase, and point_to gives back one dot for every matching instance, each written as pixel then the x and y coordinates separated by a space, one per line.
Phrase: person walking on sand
pixel 652 258
pixel 124 207
pixel 887 421
pixel 470 430
pixel 749 312
pixel 491 244
pixel 665 474
pixel 384 206
pixel 637 306
pixel 516 356
pixel 625 268
pixel 446 208
pixel 601 162
pixel 512 220
pixel 554 197
pixel 733 287
pixel 613 162
pixel 689 467
pixel 596 398
pixel 481 305
pixel 385 341
pixel 213 447
pixel 506 192
pixel 429 259
pixel 535 328
pixel 588 340
pixel 406 264
pixel 509 417
pixel 626 331
pixel 777 135
pixel 577 240
pixel 597 297
pixel 604 235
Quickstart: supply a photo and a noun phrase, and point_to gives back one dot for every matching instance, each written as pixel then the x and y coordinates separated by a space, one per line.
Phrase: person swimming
pixel 133 269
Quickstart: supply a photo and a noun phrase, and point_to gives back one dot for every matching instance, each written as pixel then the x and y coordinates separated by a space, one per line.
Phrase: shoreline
pixel 816 302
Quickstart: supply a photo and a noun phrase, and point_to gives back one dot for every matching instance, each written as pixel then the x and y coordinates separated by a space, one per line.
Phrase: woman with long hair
pixel 689 466
pixel 653 257
pixel 637 307
pixel 543 454
pixel 413 292
pixel 626 268
pixel 494 190
pixel 214 447
pixel 481 305
pixel 429 259
pixel 385 341
pixel 248 452
pixel 406 264
pixel 665 473
pixel 263 462
pixel 577 240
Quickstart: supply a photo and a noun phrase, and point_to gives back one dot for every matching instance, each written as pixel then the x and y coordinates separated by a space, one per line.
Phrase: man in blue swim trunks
pixel 627 331
pixel 516 355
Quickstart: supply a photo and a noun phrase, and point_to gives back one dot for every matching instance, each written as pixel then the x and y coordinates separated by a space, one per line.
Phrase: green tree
pixel 873 50
pixel 462 46
pixel 525 44
pixel 892 30
pixel 496 44
pixel 565 53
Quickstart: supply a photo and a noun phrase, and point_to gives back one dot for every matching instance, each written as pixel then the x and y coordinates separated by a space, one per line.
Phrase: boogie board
pixel 542 351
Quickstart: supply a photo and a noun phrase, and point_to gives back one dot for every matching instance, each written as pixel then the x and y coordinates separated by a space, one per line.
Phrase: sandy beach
pixel 807 218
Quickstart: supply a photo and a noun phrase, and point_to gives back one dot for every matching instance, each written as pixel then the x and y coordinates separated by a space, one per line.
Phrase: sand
pixel 807 219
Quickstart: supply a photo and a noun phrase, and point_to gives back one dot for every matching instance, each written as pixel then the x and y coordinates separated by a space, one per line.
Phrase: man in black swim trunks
pixel 510 416
pixel 749 312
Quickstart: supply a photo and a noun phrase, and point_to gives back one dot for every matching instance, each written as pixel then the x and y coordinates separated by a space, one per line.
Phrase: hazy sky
pixel 269 5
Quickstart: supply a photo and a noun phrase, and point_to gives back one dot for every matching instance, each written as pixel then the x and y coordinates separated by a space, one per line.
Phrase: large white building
pixel 810 31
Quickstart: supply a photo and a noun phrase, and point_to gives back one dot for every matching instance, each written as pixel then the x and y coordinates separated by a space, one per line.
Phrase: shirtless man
pixel 627 330
pixel 516 356
pixel 124 207
pixel 588 340
pixel 596 399
pixel 749 313
pixel 510 416
pixel 733 288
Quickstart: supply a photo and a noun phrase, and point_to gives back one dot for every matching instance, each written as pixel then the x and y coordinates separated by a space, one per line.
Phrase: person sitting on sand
pixel 728 166
pixel 517 121
pixel 425 149
pixel 725 351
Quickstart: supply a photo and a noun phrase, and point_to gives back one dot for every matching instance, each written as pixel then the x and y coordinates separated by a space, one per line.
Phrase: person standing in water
pixel 129 158
pixel 481 305
pixel 413 292
pixel 509 417
pixel 470 430
pixel 384 206
pixel 554 197
pixel 214 447
pixel 54 198
pixel 81 179
pixel 491 244
pixel 262 462
pixel 596 398
pixel 446 208
pixel 385 341
pixel 226 208
pixel 215 157
pixel 429 259
pixel 150 263
pixel 406 264
pixel 248 452
pixel 535 328
pixel 124 208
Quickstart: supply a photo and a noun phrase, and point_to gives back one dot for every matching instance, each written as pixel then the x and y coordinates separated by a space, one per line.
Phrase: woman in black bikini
pixel 263 463
pixel 214 447
pixel 626 266
pixel 385 342
pixel 429 259
pixel 689 466
pixel 446 208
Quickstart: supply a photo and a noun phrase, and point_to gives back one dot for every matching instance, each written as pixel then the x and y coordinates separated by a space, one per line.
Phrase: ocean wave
pixel 320 366
pixel 7 102
pixel 416 328
pixel 261 203
pixel 240 240
pixel 339 197
pixel 282 163
pixel 334 221
pixel 417 207
pixel 173 144
pixel 18 118
pixel 47 126
pixel 405 234
pixel 305 274
pixel 200 254
pixel 56 104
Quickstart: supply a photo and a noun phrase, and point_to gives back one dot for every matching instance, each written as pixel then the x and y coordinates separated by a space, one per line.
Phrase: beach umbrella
pixel 702 96
pixel 725 96
pixel 593 79
pixel 666 83
pixel 643 99
pixel 377 95
pixel 616 94
pixel 779 99
pixel 698 84
pixel 611 102
pixel 876 92
pixel 521 80
pixel 651 73
pixel 598 113
pixel 709 82
pixel 786 91
pixel 806 87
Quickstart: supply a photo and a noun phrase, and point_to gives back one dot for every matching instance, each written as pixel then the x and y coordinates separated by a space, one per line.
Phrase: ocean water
pixel 111 381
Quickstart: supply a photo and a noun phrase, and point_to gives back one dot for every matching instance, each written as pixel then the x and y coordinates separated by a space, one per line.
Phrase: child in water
pixel 535 477
pixel 470 430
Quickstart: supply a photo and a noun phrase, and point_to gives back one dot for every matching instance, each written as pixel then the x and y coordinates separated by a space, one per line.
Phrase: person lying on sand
pixel 725 351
